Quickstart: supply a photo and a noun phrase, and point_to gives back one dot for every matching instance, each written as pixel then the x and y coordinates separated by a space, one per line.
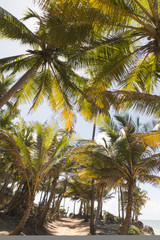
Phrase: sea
pixel 155 224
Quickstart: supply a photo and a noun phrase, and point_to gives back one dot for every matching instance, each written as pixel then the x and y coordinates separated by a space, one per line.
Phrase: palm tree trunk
pixel 23 221
pixel 40 201
pixel 92 225
pixel 57 205
pixel 122 205
pixel 80 209
pixel 47 192
pixel 119 203
pixel 53 206
pixel 99 205
pixel 19 200
pixel 126 224
pixel 74 207
pixel 6 182
pixel 3 190
pixel 20 82
pixel 64 202
pixel 44 213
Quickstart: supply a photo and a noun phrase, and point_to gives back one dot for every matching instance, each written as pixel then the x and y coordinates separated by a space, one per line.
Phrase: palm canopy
pixel 49 74
pixel 35 150
pixel 126 141
pixel 129 54
pixel 123 158
pixel 137 21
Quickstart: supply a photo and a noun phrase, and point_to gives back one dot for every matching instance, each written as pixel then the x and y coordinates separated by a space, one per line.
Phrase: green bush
pixel 116 219
pixel 63 212
pixel 134 230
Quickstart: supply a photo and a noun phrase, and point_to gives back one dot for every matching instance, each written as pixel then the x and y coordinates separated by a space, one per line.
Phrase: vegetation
pixel 116 45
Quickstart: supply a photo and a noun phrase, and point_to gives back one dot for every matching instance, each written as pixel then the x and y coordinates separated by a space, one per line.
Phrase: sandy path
pixel 68 227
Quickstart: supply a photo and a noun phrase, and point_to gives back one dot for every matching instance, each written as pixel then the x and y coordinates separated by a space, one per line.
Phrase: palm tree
pixel 103 193
pixel 139 23
pixel 48 73
pixel 125 159
pixel 65 145
pixel 34 161
pixel 139 200
pixel 128 56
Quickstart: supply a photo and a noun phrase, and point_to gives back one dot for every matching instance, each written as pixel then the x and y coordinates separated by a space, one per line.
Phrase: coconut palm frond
pixel 12 28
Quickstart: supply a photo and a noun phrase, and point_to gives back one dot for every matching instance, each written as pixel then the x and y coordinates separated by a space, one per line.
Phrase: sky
pixel 151 211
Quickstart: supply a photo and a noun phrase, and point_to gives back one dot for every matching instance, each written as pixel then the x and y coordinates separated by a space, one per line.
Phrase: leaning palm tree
pixel 129 54
pixel 48 73
pixel 34 161
pixel 125 158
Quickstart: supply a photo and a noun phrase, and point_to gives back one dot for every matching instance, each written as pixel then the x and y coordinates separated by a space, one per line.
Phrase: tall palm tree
pixel 126 158
pixel 139 200
pixel 48 73
pixel 65 146
pixel 130 56
pixel 34 161
pixel 137 21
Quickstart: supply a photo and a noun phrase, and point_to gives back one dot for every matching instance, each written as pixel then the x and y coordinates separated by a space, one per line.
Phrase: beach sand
pixel 62 227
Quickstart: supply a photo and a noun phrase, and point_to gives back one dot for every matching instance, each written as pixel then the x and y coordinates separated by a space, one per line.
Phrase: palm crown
pixel 49 74
pixel 123 158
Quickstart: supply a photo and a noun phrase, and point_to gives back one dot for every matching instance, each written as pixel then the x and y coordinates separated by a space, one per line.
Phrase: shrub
pixel 133 230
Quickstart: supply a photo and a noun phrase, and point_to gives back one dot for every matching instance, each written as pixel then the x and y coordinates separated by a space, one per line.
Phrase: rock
pixel 138 224
pixel 149 230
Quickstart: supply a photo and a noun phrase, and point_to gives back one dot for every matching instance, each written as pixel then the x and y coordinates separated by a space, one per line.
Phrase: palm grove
pixel 117 44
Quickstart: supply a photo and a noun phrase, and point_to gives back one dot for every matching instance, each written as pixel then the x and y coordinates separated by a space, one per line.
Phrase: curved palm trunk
pixel 23 221
pixel 20 82
pixel 126 224
pixel 6 182
pixel 3 190
pixel 19 201
pixel 45 211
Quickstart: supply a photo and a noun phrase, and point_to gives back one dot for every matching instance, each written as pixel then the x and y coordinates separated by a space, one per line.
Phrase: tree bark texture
pixel 19 201
pixel 21 224
pixel 100 199
pixel 91 224
pixel 126 224
pixel 122 205
pixel 80 209
pixel 45 211
pixel 20 82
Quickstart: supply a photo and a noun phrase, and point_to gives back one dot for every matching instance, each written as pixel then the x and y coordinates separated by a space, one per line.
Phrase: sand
pixel 69 227
pixel 62 227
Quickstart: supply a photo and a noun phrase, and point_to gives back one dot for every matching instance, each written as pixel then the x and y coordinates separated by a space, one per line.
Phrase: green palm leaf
pixel 11 27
